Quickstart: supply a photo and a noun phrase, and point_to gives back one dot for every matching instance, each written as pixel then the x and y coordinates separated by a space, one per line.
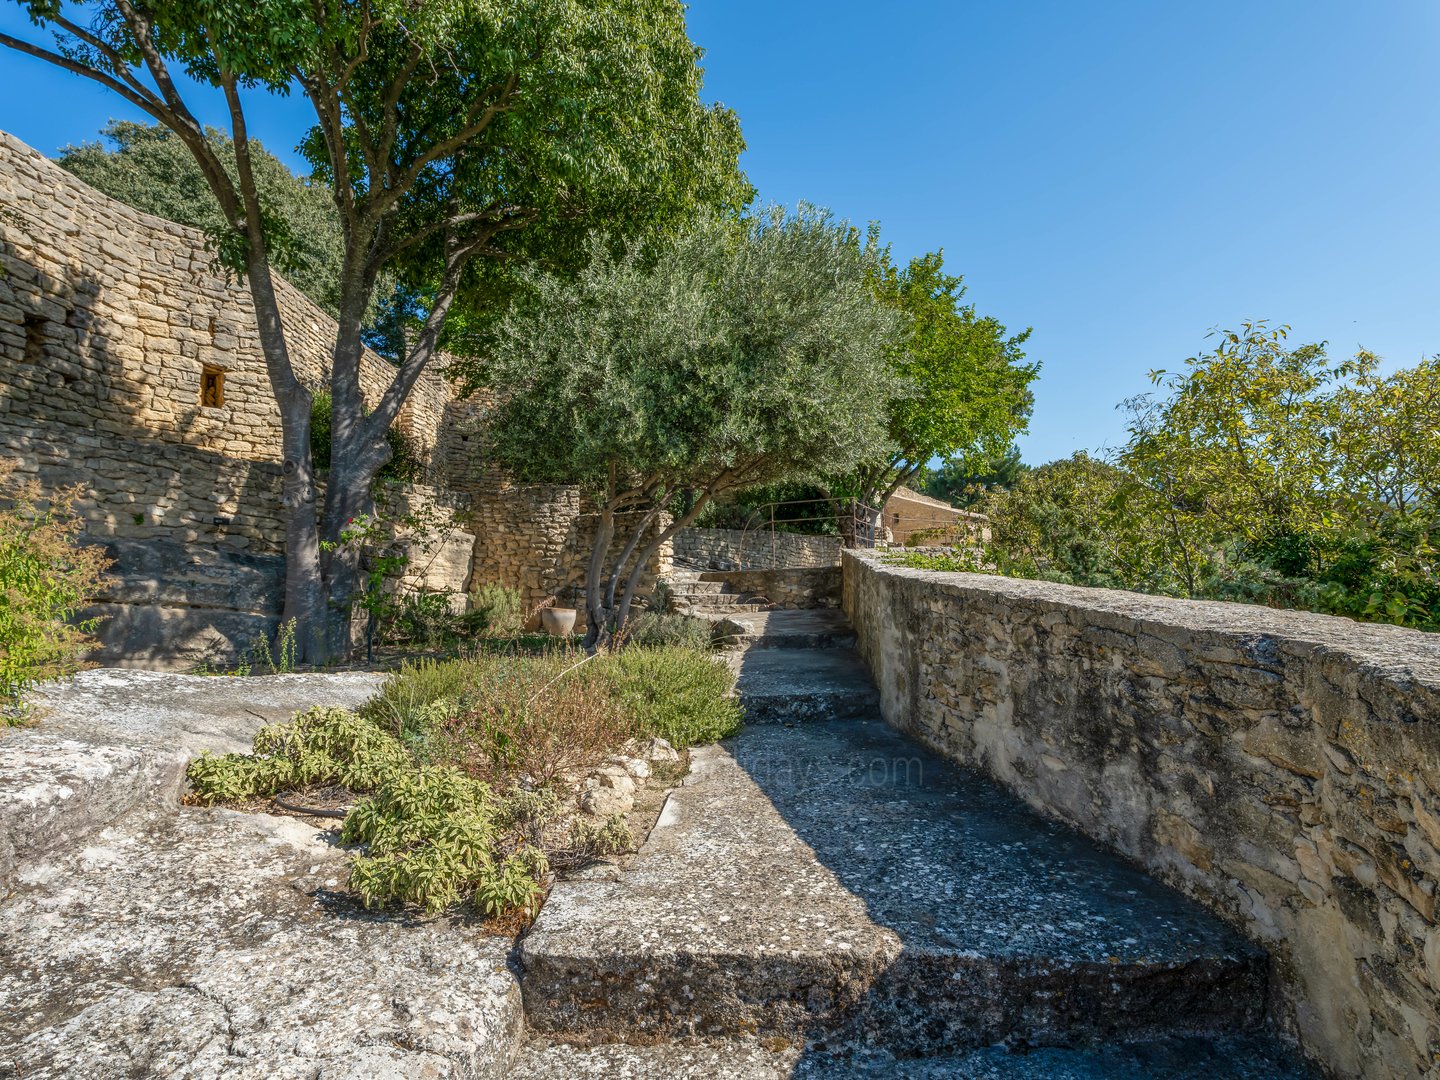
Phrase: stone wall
pixel 735 549
pixel 794 589
pixel 111 321
pixel 537 538
pixel 1282 767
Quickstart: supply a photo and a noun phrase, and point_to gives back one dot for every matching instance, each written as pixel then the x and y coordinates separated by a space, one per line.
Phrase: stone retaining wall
pixel 735 549
pixel 1281 767
pixel 791 590
pixel 537 538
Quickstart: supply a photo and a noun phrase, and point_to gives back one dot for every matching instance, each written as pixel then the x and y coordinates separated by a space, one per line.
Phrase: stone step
pixel 787 686
pixel 836 880
pixel 813 629
pixel 1246 1057
pixel 108 742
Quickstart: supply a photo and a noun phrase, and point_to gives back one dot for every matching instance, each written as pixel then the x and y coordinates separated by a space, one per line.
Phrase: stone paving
pixel 821 897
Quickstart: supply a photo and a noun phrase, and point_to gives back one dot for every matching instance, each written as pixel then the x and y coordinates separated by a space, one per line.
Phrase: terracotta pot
pixel 558 621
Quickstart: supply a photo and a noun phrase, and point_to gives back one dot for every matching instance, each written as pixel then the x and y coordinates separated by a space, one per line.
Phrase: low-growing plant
pixel 536 718
pixel 657 629
pixel 46 577
pixel 677 693
pixel 328 746
pixel 496 611
pixel 261 653
pixel 405 702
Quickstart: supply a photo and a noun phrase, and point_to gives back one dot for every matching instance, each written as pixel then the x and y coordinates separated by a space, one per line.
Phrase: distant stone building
pixel 908 512
pixel 130 368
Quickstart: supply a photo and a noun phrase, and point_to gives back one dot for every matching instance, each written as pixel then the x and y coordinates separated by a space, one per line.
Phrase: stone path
pixel 820 898
pixel 821 884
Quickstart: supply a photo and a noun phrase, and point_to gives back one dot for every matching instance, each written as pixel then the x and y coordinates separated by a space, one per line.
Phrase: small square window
pixel 34 339
pixel 212 387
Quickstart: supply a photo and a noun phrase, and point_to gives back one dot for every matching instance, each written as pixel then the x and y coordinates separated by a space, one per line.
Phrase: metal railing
pixel 857 525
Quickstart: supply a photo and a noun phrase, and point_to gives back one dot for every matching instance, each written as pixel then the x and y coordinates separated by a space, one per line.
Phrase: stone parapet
pixel 1282 767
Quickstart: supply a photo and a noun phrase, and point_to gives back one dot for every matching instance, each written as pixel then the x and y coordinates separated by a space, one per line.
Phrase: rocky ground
pixel 819 897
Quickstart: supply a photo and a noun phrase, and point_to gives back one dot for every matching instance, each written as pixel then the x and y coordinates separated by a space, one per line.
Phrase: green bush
pixel 46 576
pixel 407 699
pixel 657 629
pixel 435 748
pixel 676 693
pixel 321 746
pixel 495 610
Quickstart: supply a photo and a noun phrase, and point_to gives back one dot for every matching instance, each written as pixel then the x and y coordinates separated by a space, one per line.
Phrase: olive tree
pixel 454 136
pixel 734 355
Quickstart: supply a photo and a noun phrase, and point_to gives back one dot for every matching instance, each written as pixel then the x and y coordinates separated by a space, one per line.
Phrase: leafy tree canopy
pixel 963 384
pixel 148 167
pixel 964 482
pixel 724 358
pixel 458 138
pixel 1265 473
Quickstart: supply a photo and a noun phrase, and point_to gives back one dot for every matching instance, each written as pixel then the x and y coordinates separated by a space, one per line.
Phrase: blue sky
pixel 1121 176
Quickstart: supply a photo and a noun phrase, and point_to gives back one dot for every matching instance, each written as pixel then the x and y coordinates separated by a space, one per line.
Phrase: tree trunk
pixel 304 582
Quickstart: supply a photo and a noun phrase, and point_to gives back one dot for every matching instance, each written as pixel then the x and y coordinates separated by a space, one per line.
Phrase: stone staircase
pixel 709 594
pixel 824 897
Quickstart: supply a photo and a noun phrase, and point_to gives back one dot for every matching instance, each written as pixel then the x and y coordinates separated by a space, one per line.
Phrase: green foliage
pixel 1265 473
pixel 797 506
pixel 46 577
pixel 403 705
pixel 435 750
pixel 659 629
pixel 727 357
pixel 677 693
pixel 459 140
pixel 496 610
pixel 962 381
pixel 534 718
pixel 151 169
pixel 261 653
pixel 965 483
pixel 321 746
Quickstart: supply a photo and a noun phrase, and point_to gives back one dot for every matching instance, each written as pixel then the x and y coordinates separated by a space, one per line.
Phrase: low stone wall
pixel 735 549
pixel 792 590
pixel 1281 767
pixel 537 538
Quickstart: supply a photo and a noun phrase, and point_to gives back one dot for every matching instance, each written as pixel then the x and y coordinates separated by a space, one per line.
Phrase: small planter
pixel 558 621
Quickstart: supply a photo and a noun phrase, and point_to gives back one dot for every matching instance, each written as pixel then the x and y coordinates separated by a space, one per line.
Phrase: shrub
pixel 422 618
pixel 405 702
pixel 535 718
pixel 676 693
pixel 46 576
pixel 495 610
pixel 329 746
pixel 655 629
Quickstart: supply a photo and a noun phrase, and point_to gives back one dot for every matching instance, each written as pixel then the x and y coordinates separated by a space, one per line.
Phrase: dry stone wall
pixel 130 368
pixel 1282 767
pixel 537 538
pixel 736 549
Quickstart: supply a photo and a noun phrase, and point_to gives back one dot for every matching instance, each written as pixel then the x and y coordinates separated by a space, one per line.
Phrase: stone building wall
pixel 110 320
pixel 1281 767
pixel 110 323
pixel 736 549
pixel 908 512
pixel 537 538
